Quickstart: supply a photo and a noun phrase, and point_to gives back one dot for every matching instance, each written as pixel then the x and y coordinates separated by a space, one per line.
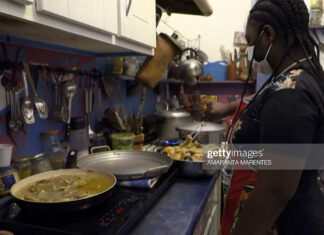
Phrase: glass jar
pixel 117 65
pixel 39 164
pixel 53 149
pixel 122 141
pixel 8 177
pixel 316 4
pixel 316 12
pixel 23 166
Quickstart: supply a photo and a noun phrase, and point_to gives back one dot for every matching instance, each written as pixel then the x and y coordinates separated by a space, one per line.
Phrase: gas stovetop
pixel 118 215
pixel 158 144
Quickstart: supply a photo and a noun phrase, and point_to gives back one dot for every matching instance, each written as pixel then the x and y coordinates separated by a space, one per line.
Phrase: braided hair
pixel 290 19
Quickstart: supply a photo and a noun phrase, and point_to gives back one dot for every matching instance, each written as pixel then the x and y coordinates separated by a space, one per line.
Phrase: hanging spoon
pixel 27 106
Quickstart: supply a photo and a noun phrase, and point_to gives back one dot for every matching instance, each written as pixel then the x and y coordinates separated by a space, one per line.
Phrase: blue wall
pixel 28 140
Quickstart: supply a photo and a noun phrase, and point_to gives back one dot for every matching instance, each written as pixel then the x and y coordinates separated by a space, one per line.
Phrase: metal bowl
pixel 194 169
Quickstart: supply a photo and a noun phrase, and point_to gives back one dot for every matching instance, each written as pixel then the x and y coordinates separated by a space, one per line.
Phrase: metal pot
pixel 190 69
pixel 194 170
pixel 211 133
pixel 169 121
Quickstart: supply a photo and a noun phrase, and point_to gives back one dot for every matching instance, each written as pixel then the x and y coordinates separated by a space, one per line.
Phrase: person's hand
pixel 216 110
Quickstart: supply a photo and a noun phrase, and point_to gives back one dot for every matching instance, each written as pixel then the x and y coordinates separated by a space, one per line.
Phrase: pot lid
pixel 21 159
pixel 37 156
pixel 209 127
pixel 173 114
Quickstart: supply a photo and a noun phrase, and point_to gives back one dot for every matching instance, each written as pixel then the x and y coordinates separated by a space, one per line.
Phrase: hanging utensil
pixel 27 106
pixel 99 105
pixel 12 111
pixel 18 122
pixel 88 110
pixel 40 104
pixel 56 111
pixel 64 106
pixel 45 82
pixel 69 91
pixel 139 114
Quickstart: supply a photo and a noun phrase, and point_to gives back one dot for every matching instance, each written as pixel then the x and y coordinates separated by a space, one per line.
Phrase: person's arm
pixel 217 110
pixel 272 192
pixel 286 118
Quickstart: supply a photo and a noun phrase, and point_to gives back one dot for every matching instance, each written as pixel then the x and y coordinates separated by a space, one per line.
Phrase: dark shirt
pixel 290 109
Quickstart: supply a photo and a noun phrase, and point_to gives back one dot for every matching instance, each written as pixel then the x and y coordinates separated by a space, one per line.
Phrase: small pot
pixel 169 121
pixel 211 133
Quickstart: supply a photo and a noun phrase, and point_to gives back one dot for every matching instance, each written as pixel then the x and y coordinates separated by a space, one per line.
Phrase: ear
pixel 270 33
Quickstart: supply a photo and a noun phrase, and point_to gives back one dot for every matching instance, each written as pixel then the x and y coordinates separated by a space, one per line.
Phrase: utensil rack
pixel 95 73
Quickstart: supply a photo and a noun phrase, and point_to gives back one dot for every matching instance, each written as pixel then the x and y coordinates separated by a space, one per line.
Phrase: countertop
pixel 178 210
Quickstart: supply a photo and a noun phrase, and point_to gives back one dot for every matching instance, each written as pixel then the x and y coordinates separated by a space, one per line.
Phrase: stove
pixel 123 208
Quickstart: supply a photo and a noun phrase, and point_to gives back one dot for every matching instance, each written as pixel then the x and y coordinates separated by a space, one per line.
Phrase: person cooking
pixel 289 108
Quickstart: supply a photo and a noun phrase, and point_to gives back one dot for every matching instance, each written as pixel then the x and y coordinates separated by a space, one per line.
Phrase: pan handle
pixel 4 201
pixel 158 169
pixel 99 149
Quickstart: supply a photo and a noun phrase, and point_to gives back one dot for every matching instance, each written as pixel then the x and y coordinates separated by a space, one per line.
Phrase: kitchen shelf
pixel 124 77
pixel 225 82
pixel 129 78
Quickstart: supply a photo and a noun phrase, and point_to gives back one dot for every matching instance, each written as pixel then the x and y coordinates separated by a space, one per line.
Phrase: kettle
pixel 190 69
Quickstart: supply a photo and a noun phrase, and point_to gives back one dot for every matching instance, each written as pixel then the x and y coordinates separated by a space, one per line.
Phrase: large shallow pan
pixel 128 165
pixel 69 206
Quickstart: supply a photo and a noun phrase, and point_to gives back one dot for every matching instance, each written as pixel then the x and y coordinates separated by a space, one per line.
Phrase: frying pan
pixel 67 206
pixel 128 165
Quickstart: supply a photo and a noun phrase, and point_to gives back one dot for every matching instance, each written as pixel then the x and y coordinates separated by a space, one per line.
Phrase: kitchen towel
pixel 143 183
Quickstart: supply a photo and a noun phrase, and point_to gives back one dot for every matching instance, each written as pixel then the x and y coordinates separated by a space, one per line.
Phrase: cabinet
pixel 55 8
pixel 137 21
pixel 209 221
pixel 24 2
pixel 91 26
pixel 97 14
